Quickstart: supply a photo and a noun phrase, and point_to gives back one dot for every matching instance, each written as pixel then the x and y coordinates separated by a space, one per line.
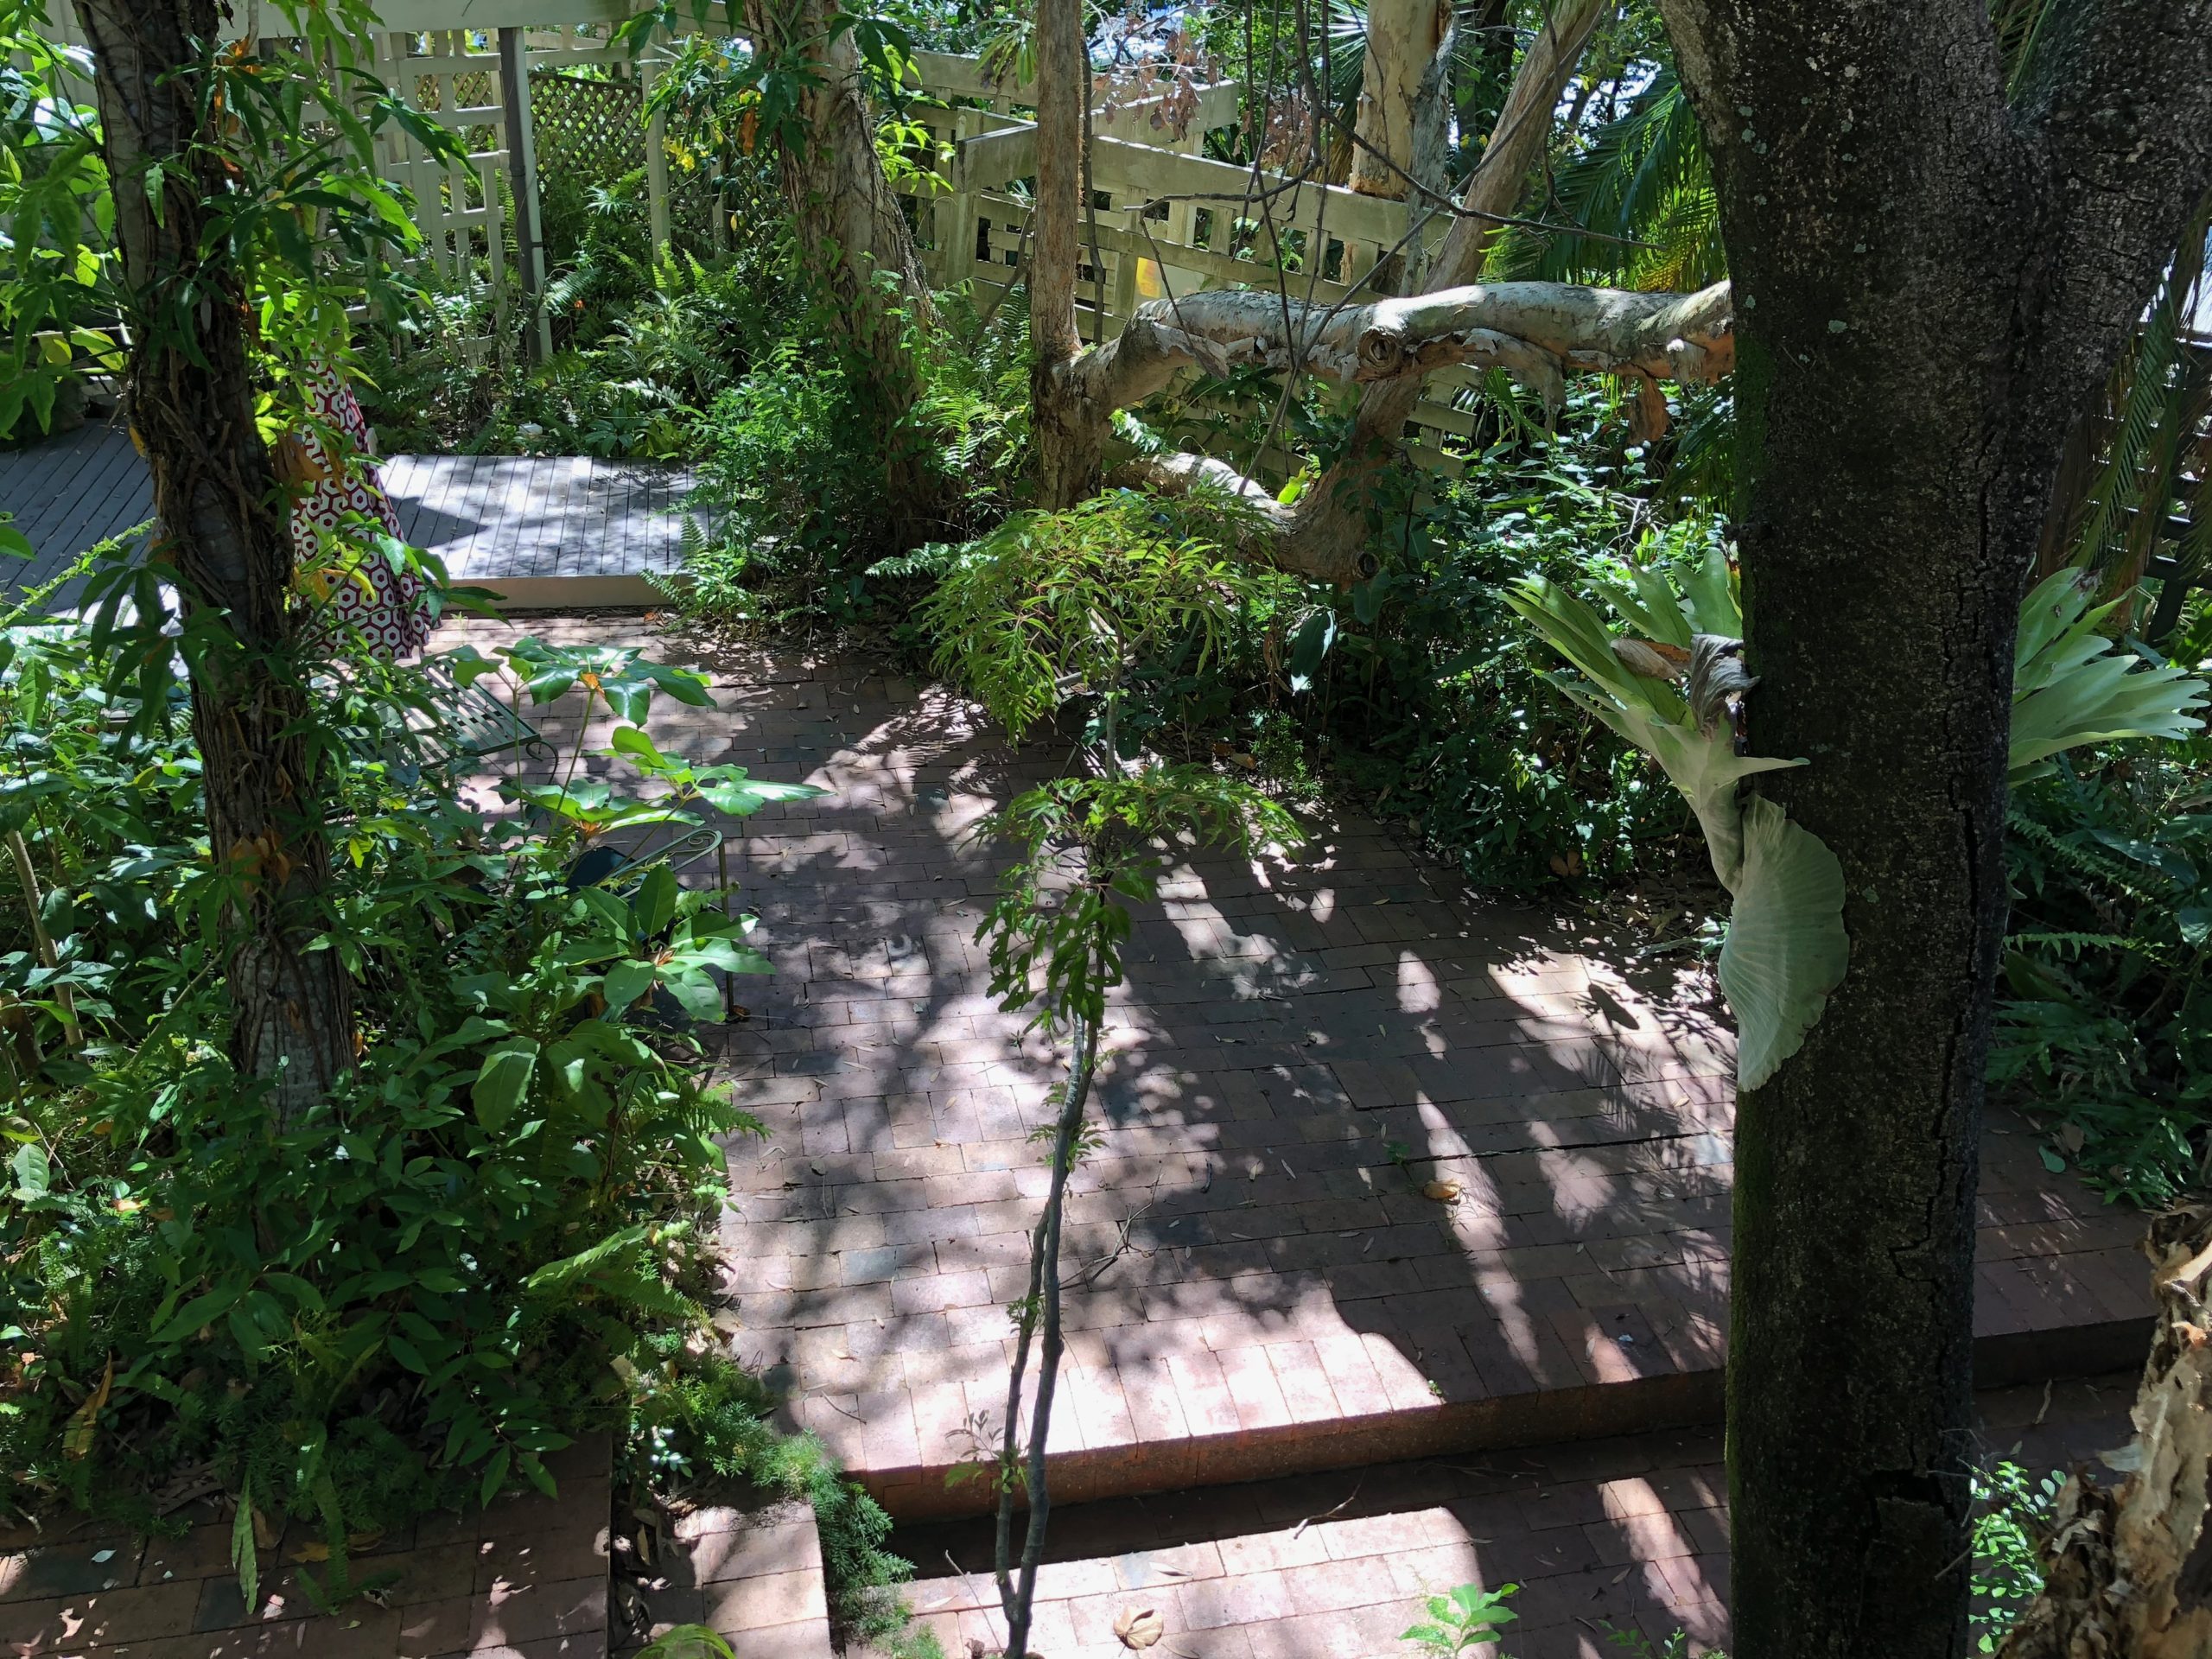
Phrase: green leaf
pixel 632 742
pixel 549 683
pixel 503 1081
pixel 200 1310
pixel 404 1352
pixel 1786 949
pixel 627 699
pixel 728 955
pixel 495 1475
pixel 690 1642
pixel 625 984
pixel 2052 1161
pixel 534 1471
pixel 701 997
pixel 243 1556
pixel 2195 924
pixel 34 1170
pixel 655 903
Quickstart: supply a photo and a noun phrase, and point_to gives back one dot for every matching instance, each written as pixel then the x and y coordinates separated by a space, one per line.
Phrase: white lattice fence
pixel 1169 221
pixel 452 77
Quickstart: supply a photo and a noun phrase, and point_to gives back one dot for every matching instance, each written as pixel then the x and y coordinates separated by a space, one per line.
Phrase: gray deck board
pixel 490 518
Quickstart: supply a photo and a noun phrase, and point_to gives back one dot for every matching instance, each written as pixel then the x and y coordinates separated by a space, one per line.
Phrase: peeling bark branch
pixel 1537 331
pixel 2125 1570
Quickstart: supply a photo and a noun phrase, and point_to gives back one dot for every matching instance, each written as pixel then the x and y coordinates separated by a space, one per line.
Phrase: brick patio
pixel 1258 1284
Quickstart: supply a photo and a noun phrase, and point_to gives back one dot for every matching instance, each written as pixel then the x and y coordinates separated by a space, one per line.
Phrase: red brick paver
pixel 751 1570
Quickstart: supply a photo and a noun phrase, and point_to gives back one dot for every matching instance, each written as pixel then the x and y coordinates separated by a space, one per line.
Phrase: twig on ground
pixel 1325 1514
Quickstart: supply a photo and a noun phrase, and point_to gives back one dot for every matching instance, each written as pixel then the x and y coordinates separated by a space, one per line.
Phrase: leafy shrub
pixel 794 467
pixel 404 1296
pixel 2105 1027
pixel 1421 694
pixel 2013 1516
pixel 698 1415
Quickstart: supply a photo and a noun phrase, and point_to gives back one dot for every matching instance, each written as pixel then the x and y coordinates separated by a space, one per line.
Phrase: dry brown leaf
pixel 77 1441
pixel 1642 657
pixel 1139 1627
pixel 1442 1191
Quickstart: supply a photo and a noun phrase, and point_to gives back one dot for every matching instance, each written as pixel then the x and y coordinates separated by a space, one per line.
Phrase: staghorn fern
pixel 1786 949
pixel 2072 686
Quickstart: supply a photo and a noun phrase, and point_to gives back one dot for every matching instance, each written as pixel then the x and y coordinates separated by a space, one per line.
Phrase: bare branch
pixel 1536 332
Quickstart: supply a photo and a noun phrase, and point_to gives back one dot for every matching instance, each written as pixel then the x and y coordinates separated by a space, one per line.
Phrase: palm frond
pixel 1642 177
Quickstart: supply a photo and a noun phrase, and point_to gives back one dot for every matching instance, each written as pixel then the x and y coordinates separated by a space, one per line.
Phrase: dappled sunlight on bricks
pixel 1257 1279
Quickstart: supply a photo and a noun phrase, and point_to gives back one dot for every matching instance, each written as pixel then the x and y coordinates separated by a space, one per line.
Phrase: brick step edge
pixel 1549 1416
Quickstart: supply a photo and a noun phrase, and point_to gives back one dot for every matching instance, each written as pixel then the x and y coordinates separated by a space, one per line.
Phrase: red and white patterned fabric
pixel 395 622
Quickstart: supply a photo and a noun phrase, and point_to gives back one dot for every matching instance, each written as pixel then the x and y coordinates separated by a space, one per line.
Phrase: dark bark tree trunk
pixel 859 254
pixel 1928 285
pixel 223 526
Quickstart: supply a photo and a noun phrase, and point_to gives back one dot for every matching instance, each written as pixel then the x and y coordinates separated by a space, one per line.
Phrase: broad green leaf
pixel 690 1642
pixel 625 984
pixel 728 955
pixel 655 903
pixel 627 699
pixel 244 1558
pixel 495 1475
pixel 2072 686
pixel 700 996
pixel 1786 949
pixel 632 742
pixel 200 1310
pixel 741 796
pixel 502 1081
pixel 34 1170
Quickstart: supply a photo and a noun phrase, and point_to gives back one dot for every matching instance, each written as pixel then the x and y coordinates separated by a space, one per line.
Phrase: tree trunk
pixel 1928 284
pixel 1068 424
pixel 222 526
pixel 1403 36
pixel 855 243
pixel 1329 530
pixel 2128 1573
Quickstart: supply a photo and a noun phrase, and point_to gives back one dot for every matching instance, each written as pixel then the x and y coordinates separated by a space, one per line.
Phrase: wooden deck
pixel 542 529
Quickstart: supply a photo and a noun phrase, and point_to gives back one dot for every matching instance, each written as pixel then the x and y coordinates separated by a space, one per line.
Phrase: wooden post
pixel 656 163
pixel 522 184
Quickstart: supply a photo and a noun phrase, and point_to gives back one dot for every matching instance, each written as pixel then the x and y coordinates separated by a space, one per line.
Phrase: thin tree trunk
pixel 1070 428
pixel 858 253
pixel 1329 530
pixel 1403 36
pixel 1928 284
pixel 223 527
